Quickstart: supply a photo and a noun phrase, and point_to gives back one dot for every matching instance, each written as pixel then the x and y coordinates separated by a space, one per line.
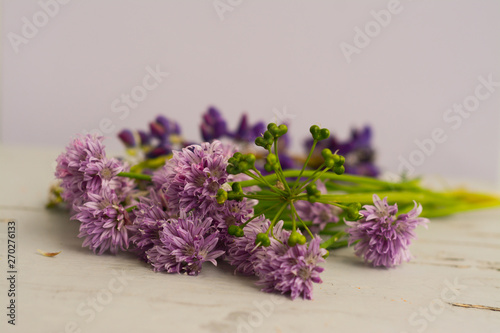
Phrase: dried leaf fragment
pixel 48 254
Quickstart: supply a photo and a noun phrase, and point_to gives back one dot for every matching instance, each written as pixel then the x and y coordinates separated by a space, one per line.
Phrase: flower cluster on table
pixel 181 204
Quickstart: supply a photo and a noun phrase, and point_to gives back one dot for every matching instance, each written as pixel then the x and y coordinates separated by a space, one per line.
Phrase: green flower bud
pixel 272 158
pixel 262 239
pixel 339 170
pixel 221 196
pixel 314 130
pixel 296 238
pixel 237 187
pixel 302 239
pixel 324 134
pixel 277 131
pixel 319 134
pixel 293 239
pixel 232 170
pixel 265 142
pixel 329 163
pixel 235 230
pixel 353 211
pixel 326 153
pixel 250 159
pixel 268 167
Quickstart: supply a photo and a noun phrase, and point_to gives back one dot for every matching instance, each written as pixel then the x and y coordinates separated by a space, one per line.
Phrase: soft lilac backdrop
pixel 264 57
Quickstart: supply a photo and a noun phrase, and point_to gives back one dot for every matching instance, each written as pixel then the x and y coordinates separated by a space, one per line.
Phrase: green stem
pixel 439 212
pixel 313 178
pixel 337 245
pixel 131 208
pixel 263 197
pixel 275 219
pixel 296 183
pixel 343 177
pixel 279 172
pixel 294 211
pixel 257 215
pixel 263 181
pixel 133 175
pixel 332 240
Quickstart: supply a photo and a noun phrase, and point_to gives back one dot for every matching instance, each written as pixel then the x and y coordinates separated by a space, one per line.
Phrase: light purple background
pixel 264 56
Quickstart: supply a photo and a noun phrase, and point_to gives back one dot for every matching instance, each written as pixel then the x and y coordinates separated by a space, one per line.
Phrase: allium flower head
pixel 191 179
pixel 84 168
pixel 186 243
pixel 69 164
pixel 105 223
pixel 99 174
pixel 150 217
pixel 384 239
pixel 291 269
pixel 242 252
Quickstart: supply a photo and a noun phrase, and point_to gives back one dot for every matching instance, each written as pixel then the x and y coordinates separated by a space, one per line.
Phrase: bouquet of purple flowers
pixel 241 197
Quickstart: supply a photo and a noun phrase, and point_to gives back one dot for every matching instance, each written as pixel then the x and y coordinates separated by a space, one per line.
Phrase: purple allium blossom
pixel 101 174
pixel 185 244
pixel 231 212
pixel 382 238
pixel 150 217
pixel 291 269
pixel 105 223
pixel 242 252
pixel 191 178
pixel 279 267
pixel 319 214
pixel 70 162
pixel 84 168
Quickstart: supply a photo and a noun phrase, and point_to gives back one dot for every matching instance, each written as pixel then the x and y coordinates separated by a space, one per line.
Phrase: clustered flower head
pixel 105 223
pixel 383 239
pixel 84 168
pixel 279 267
pixel 96 194
pixel 151 214
pixel 291 269
pixel 191 179
pixel 184 245
pixel 181 224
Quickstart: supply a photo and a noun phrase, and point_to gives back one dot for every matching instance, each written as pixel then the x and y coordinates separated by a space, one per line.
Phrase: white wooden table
pixel 452 285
